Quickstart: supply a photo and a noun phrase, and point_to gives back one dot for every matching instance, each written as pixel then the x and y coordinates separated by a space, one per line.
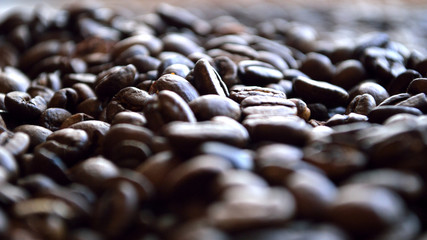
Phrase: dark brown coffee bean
pixel 116 209
pixel 284 129
pixel 125 143
pixel 381 113
pixel 314 193
pixel 266 111
pixel 94 128
pixel 395 99
pixel 52 118
pixel 36 133
pixel 170 58
pixel 21 105
pixel 8 162
pixel 92 172
pixel 184 136
pixel 237 178
pixel 207 80
pixel 313 91
pixel 339 119
pixel 153 44
pixel 175 84
pixel 79 78
pixel 208 106
pixel 318 111
pixel 374 89
pixel 246 208
pixel 91 106
pixel 252 72
pixel 83 91
pixel 44 92
pixel 48 163
pixel 337 161
pixel 371 40
pixel 361 104
pixel 37 183
pixel 166 107
pixel 113 80
pixel 11 79
pixel 302 110
pixel 38 52
pixel 400 83
pixel 133 51
pixel 137 119
pixel 144 63
pixel 407 184
pixel 239 158
pixel 418 85
pixel 199 231
pixel 17 144
pixel 421 67
pixel 417 101
pixel 239 93
pixel 64 98
pixel 75 118
pixel 362 202
pixel 129 98
pixel 348 74
pixel 318 66
pixel 227 70
pixel 179 43
pixel 407 228
pixel 177 69
pixel 274 59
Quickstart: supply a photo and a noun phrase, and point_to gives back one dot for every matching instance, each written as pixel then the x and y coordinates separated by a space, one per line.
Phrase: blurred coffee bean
pixel 64 98
pixel 208 106
pixel 179 43
pixel 44 92
pixel 37 183
pixel 227 70
pixel 79 78
pixel 400 83
pixel 318 111
pixel 361 202
pixel 239 93
pixel 395 99
pixel 9 163
pixel 257 73
pixel 348 74
pixel 239 158
pixel 177 69
pixel 319 67
pixel 11 79
pixel 75 118
pixel 17 144
pixel 417 101
pixel 36 133
pixel 152 43
pixel 313 91
pixel 418 85
pixel 52 118
pixel 133 118
pixel 381 113
pixel 91 106
pixel 175 84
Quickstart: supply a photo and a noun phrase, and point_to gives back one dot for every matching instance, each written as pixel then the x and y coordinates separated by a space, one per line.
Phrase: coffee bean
pixel 64 98
pixel 417 101
pixel 52 118
pixel 113 80
pixel 207 80
pixel 152 43
pixel 313 91
pixel 395 99
pixel 252 72
pixel 348 74
pixel 400 83
pixel 273 59
pixel 374 89
pixel 133 118
pixel 17 144
pixel 361 202
pixel 418 85
pixel 177 69
pixel 239 93
pixel 175 84
pixel 83 91
pixel 75 118
pixel 227 70
pixel 11 79
pixel 94 128
pixel 131 52
pixel 239 158
pixel 208 106
pixel 166 107
pixel 21 105
pixel 8 162
pixel 318 66
pixel 361 104
pixel 144 63
pixel 381 113
pixel 37 183
pixel 44 92
pixel 79 78
pixel 36 133
pixel 179 43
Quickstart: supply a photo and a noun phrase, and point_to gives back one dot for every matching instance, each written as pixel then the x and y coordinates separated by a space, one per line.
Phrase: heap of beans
pixel 169 126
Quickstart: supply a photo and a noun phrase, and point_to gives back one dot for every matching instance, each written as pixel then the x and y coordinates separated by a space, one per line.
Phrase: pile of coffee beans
pixel 167 125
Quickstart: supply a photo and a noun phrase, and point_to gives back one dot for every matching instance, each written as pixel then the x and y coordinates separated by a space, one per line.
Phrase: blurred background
pixel 404 20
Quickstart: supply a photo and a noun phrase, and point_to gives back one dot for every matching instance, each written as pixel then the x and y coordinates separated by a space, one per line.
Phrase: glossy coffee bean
pixel 21 105
pixel 361 104
pixel 208 106
pixel 113 80
pixel 207 80
pixel 175 84
pixel 239 93
pixel 374 89
pixel 318 66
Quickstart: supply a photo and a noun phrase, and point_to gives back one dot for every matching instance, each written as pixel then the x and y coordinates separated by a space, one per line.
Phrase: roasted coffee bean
pixel 284 129
pixel 318 66
pixel 83 91
pixel 133 118
pixel 348 74
pixel 92 172
pixel 170 58
pixel 337 161
pixel 177 69
pixel 75 118
pixel 245 208
pixel 11 79
pixel 313 91
pixel 371 40
pixel 144 63
pixel 38 52
pixel 339 119
pixel 374 89
pixel 52 118
pixel 129 98
pixel 44 92
pixel 207 80
pixel 65 98
pixel 361 202
pixel 152 43
pixel 318 111
pixel 21 105
pixel 8 162
pixel 252 72
pixel 116 209
pixel 314 193
pixel 227 70
pixel 36 133
pixel 17 144
pixel 418 85
pixel 175 84
pixel 133 51
pixel 381 113
pixel 266 111
pixel 239 93
pixel 182 135
pixel 166 107
pixel 91 106
pixel 417 101
pixel 179 43
pixel 240 159
pixel 208 106
pixel 37 183
pixel 79 78
pixel 48 163
pixel 113 80
pixel 395 99
pixel 400 83
pixel 94 128
pixel 361 104
pixel 273 59
pixel 302 110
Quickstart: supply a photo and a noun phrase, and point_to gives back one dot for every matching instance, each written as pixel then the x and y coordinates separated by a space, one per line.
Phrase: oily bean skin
pixel 381 113
pixel 52 118
pixel 36 133
pixel 374 89
pixel 21 105
pixel 361 104
pixel 318 66
pixel 208 106
pixel 315 91
pixel 207 80
pixel 113 80
pixel 175 84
